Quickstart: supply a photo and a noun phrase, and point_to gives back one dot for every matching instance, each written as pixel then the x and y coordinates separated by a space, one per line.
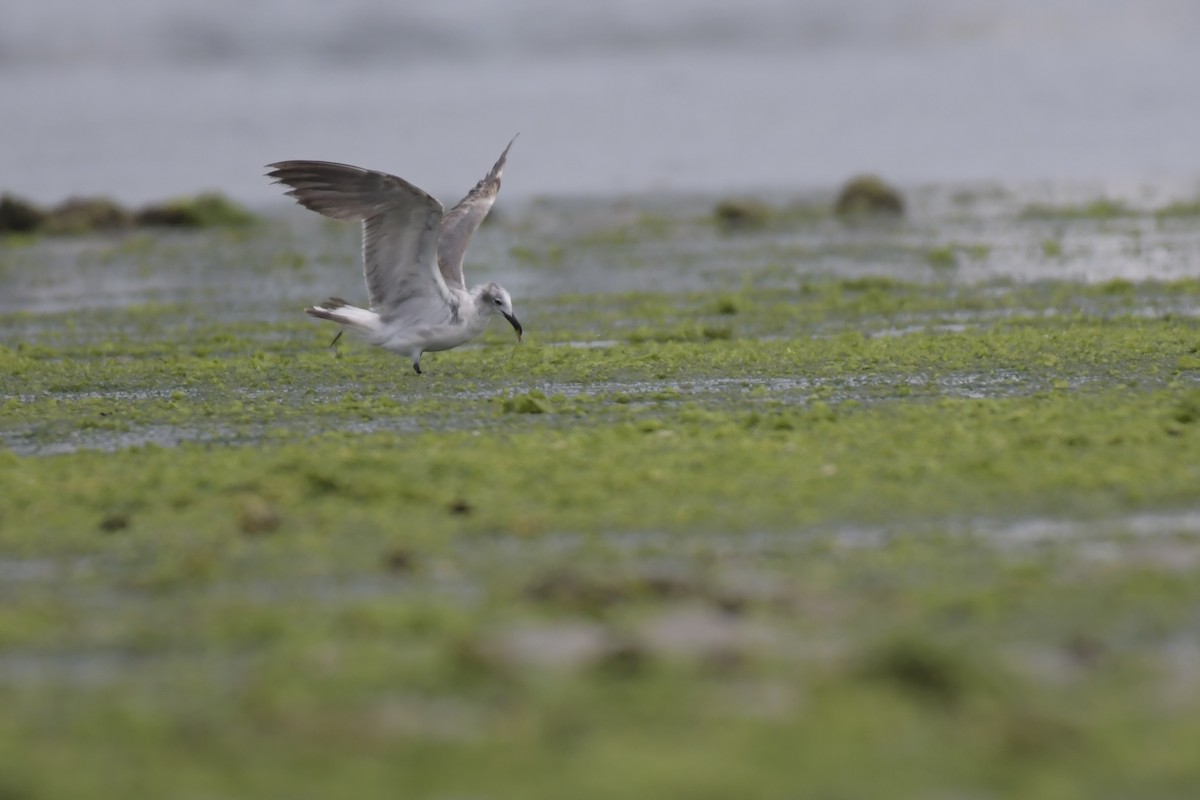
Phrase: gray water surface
pixel 143 99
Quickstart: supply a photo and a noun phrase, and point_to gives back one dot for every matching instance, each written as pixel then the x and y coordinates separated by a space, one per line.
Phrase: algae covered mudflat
pixel 899 508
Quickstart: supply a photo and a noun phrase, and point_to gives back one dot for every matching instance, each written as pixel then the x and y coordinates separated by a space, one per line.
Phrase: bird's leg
pixel 339 335
pixel 416 357
pixel 417 366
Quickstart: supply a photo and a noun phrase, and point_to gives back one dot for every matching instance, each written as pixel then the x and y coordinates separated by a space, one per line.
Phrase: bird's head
pixel 496 300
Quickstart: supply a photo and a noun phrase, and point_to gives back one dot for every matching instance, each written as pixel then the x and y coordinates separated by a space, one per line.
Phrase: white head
pixel 493 298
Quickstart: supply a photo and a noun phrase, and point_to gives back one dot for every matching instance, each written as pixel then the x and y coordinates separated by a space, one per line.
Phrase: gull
pixel 412 256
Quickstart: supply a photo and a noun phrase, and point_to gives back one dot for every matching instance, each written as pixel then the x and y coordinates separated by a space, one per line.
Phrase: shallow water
pixel 582 271
pixel 547 248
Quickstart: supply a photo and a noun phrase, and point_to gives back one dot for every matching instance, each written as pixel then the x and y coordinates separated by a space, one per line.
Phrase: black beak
pixel 515 323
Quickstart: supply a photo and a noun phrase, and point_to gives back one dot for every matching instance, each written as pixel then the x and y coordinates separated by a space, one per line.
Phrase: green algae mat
pixel 816 509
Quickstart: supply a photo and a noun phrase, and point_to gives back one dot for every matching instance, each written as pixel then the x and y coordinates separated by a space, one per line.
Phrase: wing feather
pixel 463 220
pixel 400 226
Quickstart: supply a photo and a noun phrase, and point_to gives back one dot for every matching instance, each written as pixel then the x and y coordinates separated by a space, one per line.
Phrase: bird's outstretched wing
pixel 400 226
pixel 463 220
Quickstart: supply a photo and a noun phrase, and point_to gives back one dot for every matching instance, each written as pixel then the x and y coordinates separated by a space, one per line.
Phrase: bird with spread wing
pixel 412 255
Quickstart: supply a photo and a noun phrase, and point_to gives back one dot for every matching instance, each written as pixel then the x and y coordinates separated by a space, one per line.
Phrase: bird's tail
pixel 335 309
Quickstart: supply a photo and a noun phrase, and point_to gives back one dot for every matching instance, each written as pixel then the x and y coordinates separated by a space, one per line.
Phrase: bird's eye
pixel 498 302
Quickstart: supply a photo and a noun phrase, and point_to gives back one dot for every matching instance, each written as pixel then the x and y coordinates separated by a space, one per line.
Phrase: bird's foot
pixel 417 367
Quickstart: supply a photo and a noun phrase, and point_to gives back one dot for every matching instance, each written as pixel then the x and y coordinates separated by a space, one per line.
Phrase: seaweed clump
pixel 85 215
pixel 208 210
pixel 81 215
pixel 19 216
pixel 868 195
pixel 739 214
